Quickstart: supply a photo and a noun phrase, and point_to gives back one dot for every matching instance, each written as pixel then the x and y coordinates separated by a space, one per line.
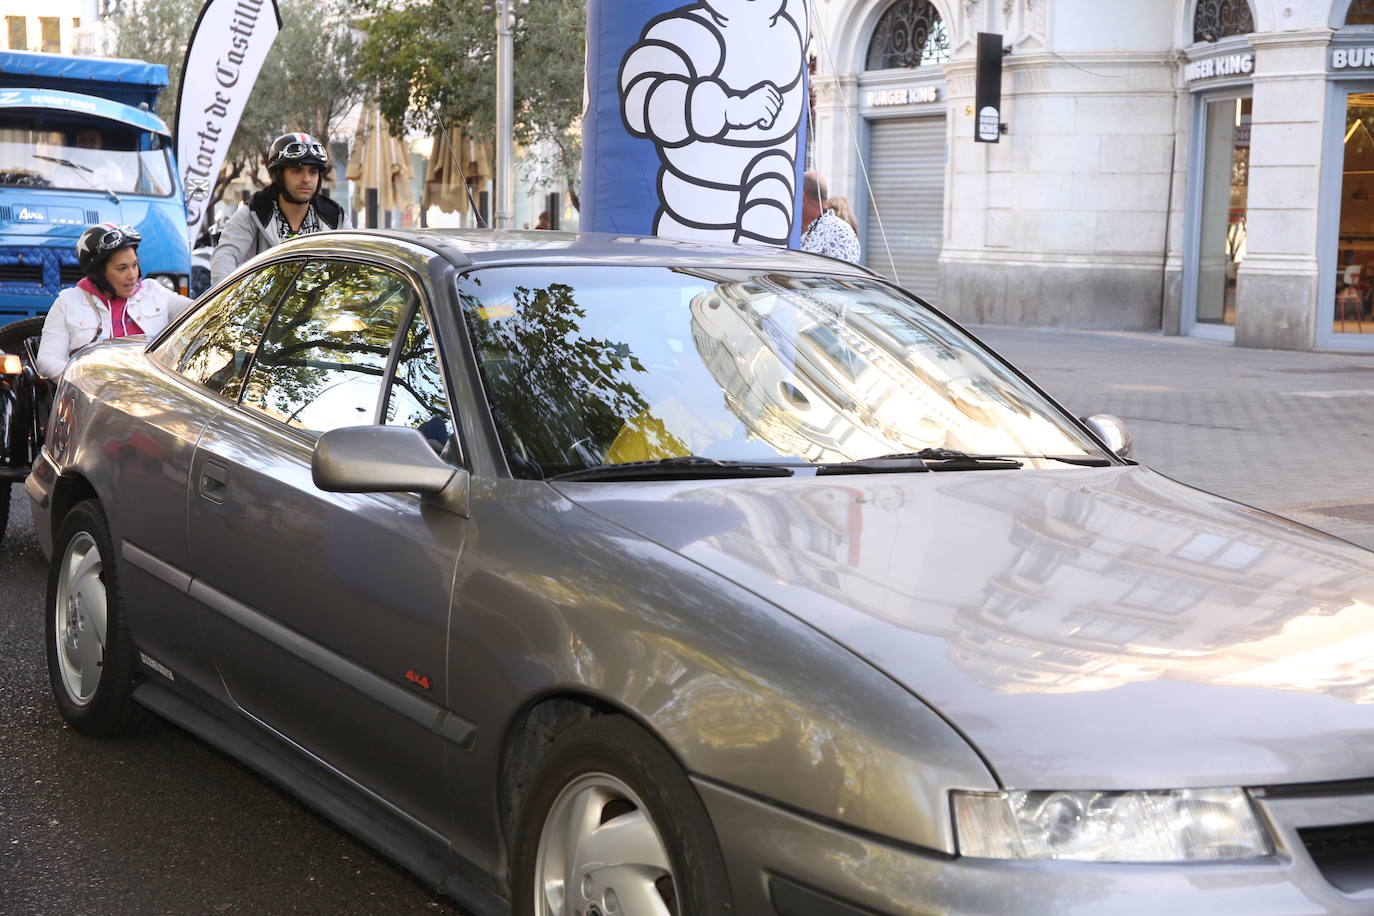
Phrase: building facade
pixel 1204 167
pixel 55 27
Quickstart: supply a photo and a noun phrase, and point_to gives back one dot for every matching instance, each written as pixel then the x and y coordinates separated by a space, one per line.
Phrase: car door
pixel 327 613
pixel 198 368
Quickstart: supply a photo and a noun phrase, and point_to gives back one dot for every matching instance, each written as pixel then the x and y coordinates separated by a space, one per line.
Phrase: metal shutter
pixel 906 166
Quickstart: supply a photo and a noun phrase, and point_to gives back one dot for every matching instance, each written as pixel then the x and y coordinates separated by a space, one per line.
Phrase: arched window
pixel 1361 12
pixel 1215 19
pixel 910 34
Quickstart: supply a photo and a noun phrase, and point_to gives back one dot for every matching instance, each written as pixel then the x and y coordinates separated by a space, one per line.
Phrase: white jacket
pixel 77 318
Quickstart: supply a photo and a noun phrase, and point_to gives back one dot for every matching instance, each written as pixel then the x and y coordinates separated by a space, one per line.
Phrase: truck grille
pixel 21 273
pixel 1343 853
pixel 38 270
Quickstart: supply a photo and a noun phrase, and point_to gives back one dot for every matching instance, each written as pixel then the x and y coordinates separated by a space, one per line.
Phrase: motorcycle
pixel 25 402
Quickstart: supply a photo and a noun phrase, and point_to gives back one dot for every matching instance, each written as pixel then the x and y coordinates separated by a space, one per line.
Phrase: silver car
pixel 611 575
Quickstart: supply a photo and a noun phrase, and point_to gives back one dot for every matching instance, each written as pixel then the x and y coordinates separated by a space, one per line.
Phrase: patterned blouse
pixel 831 236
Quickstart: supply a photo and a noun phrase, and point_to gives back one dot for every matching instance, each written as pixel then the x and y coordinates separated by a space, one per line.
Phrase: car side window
pixel 321 363
pixel 416 396
pixel 213 346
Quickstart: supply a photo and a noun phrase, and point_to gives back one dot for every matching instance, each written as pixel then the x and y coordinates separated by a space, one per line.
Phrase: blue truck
pixel 81 143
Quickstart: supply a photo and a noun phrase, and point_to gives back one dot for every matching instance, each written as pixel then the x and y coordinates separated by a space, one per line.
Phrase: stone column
pixel 1277 294
pixel 833 151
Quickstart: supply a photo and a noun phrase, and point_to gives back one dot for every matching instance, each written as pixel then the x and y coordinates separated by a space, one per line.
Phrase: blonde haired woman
pixel 842 209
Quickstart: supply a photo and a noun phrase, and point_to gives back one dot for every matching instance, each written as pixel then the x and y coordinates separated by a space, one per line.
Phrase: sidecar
pixel 25 401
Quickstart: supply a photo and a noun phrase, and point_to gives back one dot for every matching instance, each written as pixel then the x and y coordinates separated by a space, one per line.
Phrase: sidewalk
pixel 1291 432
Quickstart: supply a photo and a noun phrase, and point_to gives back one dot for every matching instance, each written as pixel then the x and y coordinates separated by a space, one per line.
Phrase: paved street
pixel 1292 432
pixel 159 823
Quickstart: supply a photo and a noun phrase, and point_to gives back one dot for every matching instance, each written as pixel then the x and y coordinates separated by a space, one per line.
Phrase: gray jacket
pixel 252 230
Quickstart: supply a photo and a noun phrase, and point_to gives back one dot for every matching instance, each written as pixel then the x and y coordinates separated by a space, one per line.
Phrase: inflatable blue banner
pixel 696 126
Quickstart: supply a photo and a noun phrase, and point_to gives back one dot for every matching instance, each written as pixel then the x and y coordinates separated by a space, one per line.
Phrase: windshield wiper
pixel 66 162
pixel 78 168
pixel 951 459
pixel 687 467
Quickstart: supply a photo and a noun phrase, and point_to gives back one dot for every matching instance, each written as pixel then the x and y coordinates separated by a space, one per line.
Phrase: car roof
pixel 487 248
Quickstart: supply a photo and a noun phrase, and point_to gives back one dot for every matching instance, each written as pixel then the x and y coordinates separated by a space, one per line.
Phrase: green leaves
pixel 434 63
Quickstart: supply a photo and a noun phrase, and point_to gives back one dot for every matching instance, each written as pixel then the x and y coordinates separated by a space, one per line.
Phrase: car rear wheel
pixel 90 656
pixel 612 825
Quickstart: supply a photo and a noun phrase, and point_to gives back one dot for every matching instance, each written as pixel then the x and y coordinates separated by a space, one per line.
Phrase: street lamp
pixel 505 117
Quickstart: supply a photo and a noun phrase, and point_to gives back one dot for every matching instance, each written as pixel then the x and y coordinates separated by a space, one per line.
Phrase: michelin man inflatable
pixel 719 87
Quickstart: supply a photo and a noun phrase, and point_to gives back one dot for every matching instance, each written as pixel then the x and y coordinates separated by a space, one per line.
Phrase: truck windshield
pixel 81 154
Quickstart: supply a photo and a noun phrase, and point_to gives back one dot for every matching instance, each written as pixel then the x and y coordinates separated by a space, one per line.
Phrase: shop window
pixel 1361 12
pixel 1225 190
pixel 910 34
pixel 1214 20
pixel 1354 292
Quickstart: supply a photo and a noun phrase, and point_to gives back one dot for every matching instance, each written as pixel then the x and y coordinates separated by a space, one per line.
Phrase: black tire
pixel 200 280
pixel 92 681
pixel 5 488
pixel 615 751
pixel 16 332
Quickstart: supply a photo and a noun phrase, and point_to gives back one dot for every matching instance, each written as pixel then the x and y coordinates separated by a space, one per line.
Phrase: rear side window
pixel 323 358
pixel 213 346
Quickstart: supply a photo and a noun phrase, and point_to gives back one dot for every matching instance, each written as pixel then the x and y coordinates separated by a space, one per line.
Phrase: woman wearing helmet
pixel 291 205
pixel 110 301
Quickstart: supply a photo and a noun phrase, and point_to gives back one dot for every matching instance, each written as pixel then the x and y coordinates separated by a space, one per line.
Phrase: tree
pixel 307 82
pixel 433 63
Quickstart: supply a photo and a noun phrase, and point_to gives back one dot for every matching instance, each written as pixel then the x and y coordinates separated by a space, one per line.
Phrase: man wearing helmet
pixel 291 205
pixel 111 300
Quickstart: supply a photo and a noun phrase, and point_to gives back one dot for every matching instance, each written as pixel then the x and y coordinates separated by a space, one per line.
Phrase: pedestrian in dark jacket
pixel 293 204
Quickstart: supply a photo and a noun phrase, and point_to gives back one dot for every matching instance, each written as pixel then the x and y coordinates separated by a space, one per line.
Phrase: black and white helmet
pixel 297 149
pixel 102 240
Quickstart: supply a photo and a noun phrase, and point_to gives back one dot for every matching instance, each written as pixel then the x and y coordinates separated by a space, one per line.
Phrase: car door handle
pixel 214 480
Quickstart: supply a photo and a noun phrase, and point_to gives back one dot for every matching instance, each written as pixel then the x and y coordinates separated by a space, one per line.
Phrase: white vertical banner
pixel 227 48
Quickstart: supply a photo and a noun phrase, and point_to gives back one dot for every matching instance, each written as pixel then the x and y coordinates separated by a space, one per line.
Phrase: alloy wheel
pixel 600 854
pixel 79 611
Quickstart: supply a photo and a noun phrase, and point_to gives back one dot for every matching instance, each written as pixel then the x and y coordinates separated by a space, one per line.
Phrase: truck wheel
pixel 612 826
pixel 90 654
pixel 4 509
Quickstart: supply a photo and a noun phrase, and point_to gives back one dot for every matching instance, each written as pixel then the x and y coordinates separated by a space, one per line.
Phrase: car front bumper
pixel 39 484
pixel 787 864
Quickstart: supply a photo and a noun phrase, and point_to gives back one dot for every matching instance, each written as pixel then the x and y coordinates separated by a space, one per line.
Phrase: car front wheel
pixel 612 825
pixel 90 656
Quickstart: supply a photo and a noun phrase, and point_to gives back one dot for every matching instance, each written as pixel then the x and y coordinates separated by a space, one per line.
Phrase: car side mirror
pixel 1113 432
pixel 387 459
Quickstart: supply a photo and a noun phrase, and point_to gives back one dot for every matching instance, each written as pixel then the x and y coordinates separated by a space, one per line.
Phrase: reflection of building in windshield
pixel 1072 588
pixel 833 368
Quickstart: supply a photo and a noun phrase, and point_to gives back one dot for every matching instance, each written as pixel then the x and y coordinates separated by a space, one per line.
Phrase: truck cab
pixel 81 143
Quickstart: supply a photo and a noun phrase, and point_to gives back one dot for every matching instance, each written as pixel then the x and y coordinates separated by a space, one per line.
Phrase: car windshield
pixel 587 366
pixel 81 154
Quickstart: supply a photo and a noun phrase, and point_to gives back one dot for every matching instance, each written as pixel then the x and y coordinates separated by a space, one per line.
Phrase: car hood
pixel 1083 628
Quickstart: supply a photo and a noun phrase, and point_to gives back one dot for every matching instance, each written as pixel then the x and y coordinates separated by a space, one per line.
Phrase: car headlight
pixel 1181 825
pixel 175 282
